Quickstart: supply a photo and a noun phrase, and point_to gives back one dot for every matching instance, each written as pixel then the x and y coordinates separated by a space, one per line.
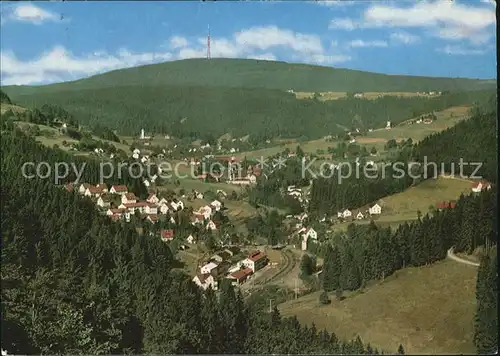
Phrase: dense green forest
pixel 486 321
pixel 329 195
pixel 185 111
pixel 474 140
pixel 4 98
pixel 73 282
pixel 250 73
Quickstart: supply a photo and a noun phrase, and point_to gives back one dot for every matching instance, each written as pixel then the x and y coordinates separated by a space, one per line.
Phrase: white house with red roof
pixel 151 209
pixel 478 187
pixel 375 210
pixel 129 198
pixel 93 192
pixel 205 281
pixel 103 202
pixel 167 235
pixel 119 189
pixel 216 205
pixel 255 261
pixel 133 207
pixel 83 188
pixel 153 199
pixel 211 226
pixel 240 276
pixel 309 233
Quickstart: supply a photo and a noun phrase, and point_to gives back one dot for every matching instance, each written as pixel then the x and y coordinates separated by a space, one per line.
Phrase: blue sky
pixel 46 42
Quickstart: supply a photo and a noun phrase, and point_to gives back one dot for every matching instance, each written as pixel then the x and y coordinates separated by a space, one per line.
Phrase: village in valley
pixel 238 262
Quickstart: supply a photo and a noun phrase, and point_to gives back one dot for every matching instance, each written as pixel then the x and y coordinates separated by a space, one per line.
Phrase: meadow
pixel 401 207
pixel 429 310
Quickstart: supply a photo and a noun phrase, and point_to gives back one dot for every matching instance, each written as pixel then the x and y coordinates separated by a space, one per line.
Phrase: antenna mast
pixel 208 43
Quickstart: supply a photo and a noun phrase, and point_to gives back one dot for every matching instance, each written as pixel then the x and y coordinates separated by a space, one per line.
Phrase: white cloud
pixel 403 37
pixel 263 57
pixel 443 18
pixel 59 64
pixel 28 12
pixel 343 24
pixel 336 3
pixel 459 51
pixel 258 42
pixel 178 42
pixel 361 43
pixel 267 37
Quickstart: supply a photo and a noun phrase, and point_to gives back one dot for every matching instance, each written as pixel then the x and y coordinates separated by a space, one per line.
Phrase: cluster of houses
pixel 236 175
pixel 120 204
pixel 203 216
pixel 478 187
pixel 219 267
pixel 297 193
pixel 358 214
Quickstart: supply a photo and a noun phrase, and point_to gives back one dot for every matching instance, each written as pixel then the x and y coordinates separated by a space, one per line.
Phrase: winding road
pixel 451 255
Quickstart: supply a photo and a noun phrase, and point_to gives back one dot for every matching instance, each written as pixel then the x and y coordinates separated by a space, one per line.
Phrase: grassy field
pixel 429 310
pixel 401 207
pixel 329 95
pixel 54 137
pixel 445 119
pixel 377 138
pixel 15 109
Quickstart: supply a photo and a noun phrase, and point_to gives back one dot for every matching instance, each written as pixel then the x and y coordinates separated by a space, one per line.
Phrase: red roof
pixel 242 273
pixel 119 188
pixel 446 205
pixel 94 190
pixel 256 256
pixel 69 187
pixel 130 196
pixel 153 218
pixel 167 234
pixel 136 205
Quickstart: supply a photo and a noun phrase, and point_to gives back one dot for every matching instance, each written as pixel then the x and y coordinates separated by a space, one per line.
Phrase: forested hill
pixel 474 140
pixel 259 74
pixel 74 282
pixel 195 111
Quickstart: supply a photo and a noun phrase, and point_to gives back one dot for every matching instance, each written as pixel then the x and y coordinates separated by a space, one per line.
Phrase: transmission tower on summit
pixel 208 43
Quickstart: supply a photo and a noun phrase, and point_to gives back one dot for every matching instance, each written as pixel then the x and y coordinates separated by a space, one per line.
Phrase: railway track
pixel 289 264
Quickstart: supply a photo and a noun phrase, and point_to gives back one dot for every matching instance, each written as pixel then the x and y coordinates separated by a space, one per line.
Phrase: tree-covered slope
pixel 475 141
pixel 259 74
pixel 239 111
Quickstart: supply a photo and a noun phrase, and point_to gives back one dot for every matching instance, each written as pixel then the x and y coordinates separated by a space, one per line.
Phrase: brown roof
pixel 120 188
pixel 136 205
pixel 256 256
pixel 242 273
pixel 130 196
pixel 203 277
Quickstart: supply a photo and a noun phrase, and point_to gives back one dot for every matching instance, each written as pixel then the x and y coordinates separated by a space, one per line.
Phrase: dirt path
pixel 451 255
pixel 456 178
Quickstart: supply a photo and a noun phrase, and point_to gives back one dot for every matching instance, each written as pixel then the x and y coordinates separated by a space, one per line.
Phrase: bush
pixel 323 298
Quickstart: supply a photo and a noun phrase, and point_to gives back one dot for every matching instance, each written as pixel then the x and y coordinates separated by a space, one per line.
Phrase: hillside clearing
pixel 401 207
pixel 435 319
pixel 369 95
pixel 377 138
